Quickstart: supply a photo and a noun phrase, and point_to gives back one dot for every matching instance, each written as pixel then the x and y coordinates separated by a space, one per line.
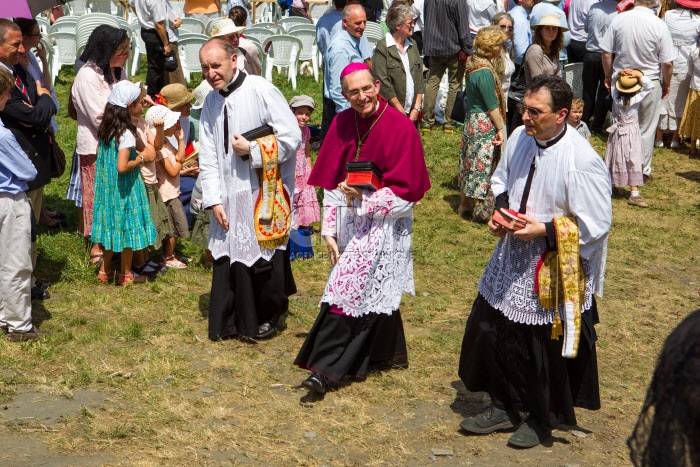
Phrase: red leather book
pixel 364 175
pixel 509 219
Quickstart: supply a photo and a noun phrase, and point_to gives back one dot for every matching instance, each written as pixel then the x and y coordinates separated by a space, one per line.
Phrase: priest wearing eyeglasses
pixel 368 234
pixel 530 339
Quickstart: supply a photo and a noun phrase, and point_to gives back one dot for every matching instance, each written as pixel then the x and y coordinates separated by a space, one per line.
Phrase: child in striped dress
pixel 122 217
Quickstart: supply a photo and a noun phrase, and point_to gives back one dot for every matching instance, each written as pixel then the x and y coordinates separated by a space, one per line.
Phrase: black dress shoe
pixel 265 330
pixel 42 283
pixel 59 215
pixel 39 294
pixel 316 383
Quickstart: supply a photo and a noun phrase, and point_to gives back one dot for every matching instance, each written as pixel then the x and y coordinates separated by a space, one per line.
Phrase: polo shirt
pixel 639 40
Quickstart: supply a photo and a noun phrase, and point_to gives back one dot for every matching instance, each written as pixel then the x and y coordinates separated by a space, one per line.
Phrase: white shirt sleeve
pixel 127 141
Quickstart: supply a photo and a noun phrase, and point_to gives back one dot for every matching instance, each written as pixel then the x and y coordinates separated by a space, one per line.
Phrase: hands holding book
pixel 520 225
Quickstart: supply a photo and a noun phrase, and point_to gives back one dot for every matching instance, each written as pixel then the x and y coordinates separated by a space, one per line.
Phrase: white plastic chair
pixel 87 23
pixel 64 51
pixel 43 26
pixel 287 23
pixel 77 7
pixel 212 23
pixel 49 54
pixel 138 48
pixel 259 34
pixel 573 75
pixel 64 24
pixel 301 27
pixel 318 10
pixel 189 54
pixel 283 53
pixel 192 25
pixel 309 51
pixel 108 7
pixel 263 24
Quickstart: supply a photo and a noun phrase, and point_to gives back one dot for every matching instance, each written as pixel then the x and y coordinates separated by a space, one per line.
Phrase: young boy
pixel 574 118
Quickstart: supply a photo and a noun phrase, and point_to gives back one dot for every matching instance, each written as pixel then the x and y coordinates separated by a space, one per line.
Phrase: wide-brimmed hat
pixel 161 112
pixel 224 28
pixel 200 93
pixel 550 20
pixel 628 84
pixel 174 95
pixel 692 4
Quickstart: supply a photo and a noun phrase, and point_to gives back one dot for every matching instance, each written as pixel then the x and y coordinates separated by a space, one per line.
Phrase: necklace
pixel 361 140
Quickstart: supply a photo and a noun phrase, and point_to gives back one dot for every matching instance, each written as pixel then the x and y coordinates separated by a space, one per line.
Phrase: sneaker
pixel 659 144
pixel 426 127
pixel 448 128
pixel 490 420
pixel 637 201
pixel 530 434
pixel 674 145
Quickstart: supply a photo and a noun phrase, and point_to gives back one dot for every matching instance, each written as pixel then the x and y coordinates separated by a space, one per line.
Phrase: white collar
pixel 391 42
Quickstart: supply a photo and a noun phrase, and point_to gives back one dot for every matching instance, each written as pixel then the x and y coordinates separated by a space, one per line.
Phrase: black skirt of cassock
pixel 242 297
pixel 520 366
pixel 339 345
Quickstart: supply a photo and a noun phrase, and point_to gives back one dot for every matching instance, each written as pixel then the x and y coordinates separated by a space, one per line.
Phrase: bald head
pixel 354 20
pixel 218 61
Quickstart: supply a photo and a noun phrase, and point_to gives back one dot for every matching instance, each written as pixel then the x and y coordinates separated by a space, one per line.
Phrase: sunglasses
pixel 534 113
pixel 508 28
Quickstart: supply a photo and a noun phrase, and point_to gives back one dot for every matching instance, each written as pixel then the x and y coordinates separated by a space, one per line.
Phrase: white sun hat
pixel 161 112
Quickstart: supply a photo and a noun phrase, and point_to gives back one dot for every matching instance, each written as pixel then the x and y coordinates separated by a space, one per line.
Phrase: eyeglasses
pixel 410 23
pixel 367 90
pixel 508 28
pixel 534 113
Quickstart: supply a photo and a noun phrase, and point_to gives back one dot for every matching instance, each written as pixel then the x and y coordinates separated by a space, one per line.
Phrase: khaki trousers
pixel 438 66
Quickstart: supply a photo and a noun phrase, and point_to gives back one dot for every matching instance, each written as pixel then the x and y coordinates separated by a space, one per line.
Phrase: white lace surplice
pixel 570 180
pixel 374 237
pixel 233 182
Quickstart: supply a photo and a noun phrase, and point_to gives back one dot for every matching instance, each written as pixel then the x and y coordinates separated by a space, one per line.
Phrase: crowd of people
pixel 148 163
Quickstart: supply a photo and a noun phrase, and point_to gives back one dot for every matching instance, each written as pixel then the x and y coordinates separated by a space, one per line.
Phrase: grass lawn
pixel 128 376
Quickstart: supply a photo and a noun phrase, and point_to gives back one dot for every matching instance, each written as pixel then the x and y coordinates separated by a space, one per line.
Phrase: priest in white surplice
pixel 252 277
pixel 511 347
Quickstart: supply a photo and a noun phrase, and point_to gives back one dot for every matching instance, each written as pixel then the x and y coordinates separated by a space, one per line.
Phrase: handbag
pixel 459 110
pixel 517 82
pixel 58 158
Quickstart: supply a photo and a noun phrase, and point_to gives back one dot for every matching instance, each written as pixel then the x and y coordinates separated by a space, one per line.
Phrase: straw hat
pixel 200 93
pixel 175 95
pixel 628 84
pixel 225 28
pixel 550 20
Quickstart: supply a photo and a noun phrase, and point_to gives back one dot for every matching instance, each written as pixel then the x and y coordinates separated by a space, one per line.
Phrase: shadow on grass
pixel 693 175
pixel 39 312
pixel 454 201
pixel 468 404
pixel 204 305
pixel 451 184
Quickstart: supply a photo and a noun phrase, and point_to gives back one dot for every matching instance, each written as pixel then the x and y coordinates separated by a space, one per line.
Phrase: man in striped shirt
pixel 446 40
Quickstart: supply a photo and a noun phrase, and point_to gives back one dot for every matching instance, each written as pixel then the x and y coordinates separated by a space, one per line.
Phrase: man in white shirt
pixel 641 41
pixel 153 17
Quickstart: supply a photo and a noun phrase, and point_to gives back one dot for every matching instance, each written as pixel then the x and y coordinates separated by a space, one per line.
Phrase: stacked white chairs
pixel 107 6
pixel 178 7
pixel 192 25
pixel 189 54
pixel 77 7
pixel 301 27
pixel 263 24
pixel 309 51
pixel 43 25
pixel 573 75
pixel 263 13
pixel 189 35
pixel 64 24
pixel 87 23
pixel 287 23
pixel 211 24
pixel 373 29
pixel 260 34
pixel 282 53
pixel 262 56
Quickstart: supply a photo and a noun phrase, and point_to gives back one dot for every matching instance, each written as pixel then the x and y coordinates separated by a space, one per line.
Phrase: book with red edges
pixel 364 175
pixel 191 154
pixel 509 219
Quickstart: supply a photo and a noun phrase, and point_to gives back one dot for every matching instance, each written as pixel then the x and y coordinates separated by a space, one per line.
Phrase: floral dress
pixel 306 209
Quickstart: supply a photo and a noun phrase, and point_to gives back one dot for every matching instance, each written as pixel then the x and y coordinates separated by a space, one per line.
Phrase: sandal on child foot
pixel 105 277
pixel 133 278
pixel 172 262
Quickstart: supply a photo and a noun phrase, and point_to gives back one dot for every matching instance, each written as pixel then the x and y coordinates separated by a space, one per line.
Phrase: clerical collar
pixel 553 141
pixel 234 84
